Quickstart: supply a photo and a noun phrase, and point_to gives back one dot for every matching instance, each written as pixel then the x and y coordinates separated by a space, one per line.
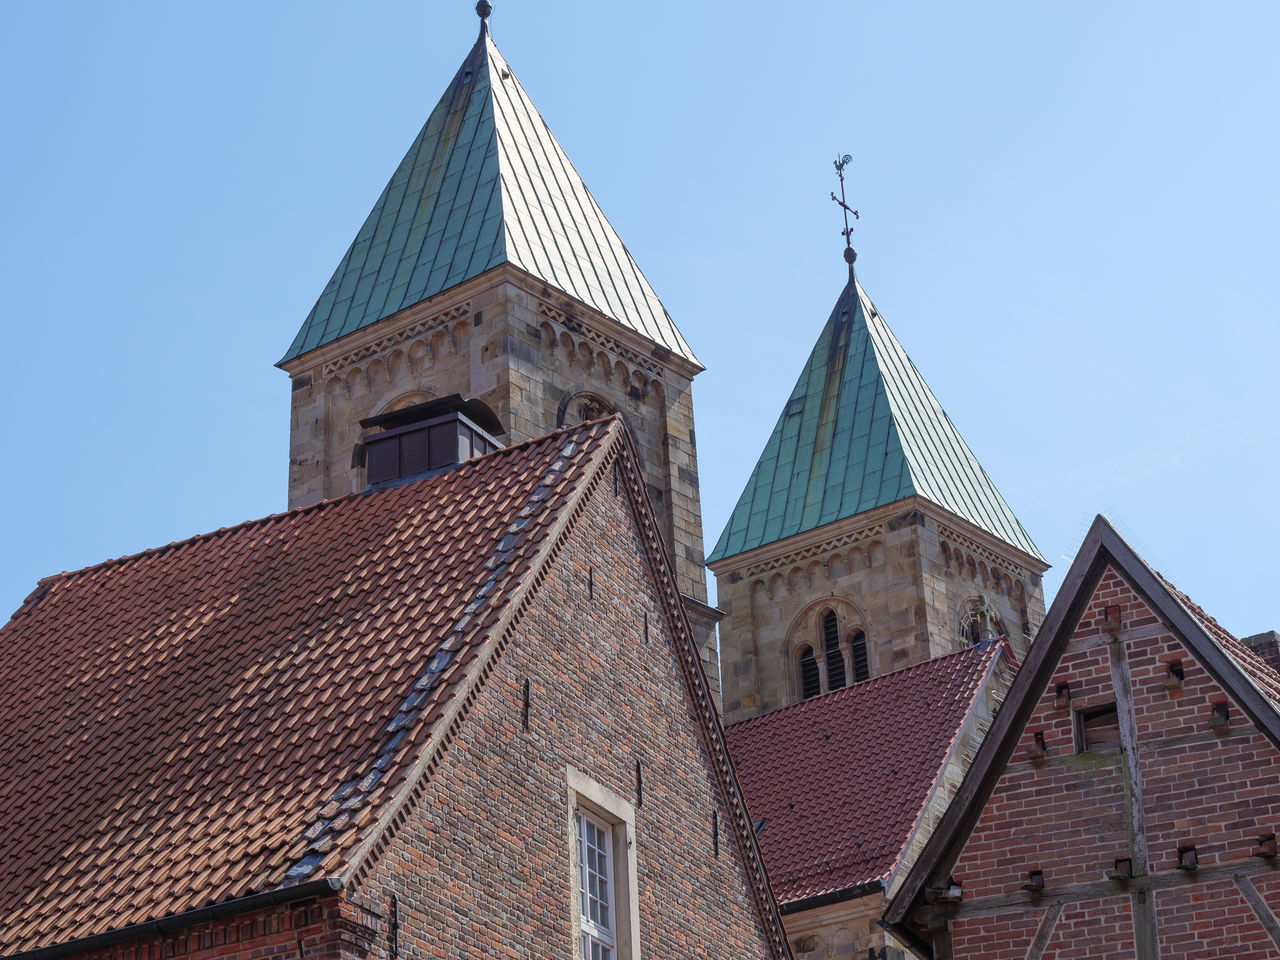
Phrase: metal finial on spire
pixel 483 10
pixel 850 254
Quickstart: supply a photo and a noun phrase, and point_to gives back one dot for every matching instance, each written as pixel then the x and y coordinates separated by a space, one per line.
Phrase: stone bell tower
pixel 487 269
pixel 868 537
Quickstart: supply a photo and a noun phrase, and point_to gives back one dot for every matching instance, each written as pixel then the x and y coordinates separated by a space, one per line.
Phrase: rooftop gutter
pixel 834 896
pixel 180 921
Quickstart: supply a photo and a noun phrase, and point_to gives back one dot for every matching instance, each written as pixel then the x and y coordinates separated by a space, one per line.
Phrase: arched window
pixel 858 656
pixel 979 622
pixel 810 680
pixel 831 644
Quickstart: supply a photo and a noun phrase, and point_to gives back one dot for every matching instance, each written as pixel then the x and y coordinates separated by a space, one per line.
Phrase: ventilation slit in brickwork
pixel 524 708
pixel 858 654
pixel 393 927
pixel 810 679
pixel 639 784
pixel 831 644
pixel 1219 715
pixel 715 832
pixel 591 583
pixel 646 626
pixel 1187 859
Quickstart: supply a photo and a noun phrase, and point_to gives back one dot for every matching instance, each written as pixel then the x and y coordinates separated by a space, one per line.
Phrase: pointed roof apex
pixel 485 183
pixel 861 430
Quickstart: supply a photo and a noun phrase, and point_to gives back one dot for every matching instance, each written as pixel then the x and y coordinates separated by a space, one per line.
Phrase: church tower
pixel 868 537
pixel 487 270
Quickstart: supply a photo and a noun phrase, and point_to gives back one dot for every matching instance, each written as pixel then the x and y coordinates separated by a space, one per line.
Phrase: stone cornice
pixel 863 526
pixel 455 303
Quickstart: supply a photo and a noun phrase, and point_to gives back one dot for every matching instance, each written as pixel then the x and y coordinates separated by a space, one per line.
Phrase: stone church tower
pixel 487 270
pixel 868 537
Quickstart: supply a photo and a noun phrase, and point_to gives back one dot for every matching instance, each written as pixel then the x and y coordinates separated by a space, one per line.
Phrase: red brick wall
pixel 995 938
pixel 317 929
pixel 482 866
pixel 1068 815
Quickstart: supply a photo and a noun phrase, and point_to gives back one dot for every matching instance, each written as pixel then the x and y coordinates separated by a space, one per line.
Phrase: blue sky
pixel 1068 218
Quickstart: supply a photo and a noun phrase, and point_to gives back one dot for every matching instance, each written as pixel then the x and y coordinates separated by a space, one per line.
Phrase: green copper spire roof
pixel 484 183
pixel 862 429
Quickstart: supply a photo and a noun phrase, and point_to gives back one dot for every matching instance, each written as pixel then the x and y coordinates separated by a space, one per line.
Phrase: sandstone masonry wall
pixel 903 574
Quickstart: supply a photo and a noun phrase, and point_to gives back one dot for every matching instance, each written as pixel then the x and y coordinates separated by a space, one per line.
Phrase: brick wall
pixel 326 928
pixel 481 866
pixel 1072 815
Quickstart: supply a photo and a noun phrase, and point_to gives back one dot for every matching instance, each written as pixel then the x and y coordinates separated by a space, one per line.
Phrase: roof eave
pixel 181 921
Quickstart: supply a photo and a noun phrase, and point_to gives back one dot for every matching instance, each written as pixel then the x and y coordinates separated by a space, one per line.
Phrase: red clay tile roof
pixel 859 766
pixel 1251 663
pixel 229 714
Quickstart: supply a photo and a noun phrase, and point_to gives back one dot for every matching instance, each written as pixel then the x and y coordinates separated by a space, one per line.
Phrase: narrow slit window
pixel 1098 729
pixel 831 644
pixel 858 656
pixel 810 679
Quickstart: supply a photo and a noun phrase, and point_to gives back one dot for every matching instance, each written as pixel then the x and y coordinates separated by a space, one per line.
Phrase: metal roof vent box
pixel 426 438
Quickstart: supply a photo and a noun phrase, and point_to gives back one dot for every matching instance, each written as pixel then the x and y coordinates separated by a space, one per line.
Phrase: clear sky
pixel 1068 217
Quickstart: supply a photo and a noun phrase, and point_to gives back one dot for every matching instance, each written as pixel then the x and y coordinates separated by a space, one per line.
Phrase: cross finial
pixel 850 254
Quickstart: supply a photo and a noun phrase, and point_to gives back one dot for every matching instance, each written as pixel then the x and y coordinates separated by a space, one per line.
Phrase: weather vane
pixel 850 254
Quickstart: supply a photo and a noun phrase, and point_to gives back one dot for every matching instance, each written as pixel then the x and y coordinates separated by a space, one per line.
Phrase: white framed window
pixel 602 855
pixel 596 892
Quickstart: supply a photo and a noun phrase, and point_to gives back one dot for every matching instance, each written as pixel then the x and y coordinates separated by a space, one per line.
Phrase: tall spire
pixel 861 430
pixel 485 183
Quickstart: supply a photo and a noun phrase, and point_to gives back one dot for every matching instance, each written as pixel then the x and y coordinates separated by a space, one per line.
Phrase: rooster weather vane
pixel 850 254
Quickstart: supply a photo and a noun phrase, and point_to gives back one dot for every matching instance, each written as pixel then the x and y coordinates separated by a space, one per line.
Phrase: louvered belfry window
pixel 831 644
pixel 810 680
pixel 858 656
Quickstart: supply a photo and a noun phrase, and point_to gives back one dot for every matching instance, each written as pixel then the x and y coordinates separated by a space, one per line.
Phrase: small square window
pixel 1097 729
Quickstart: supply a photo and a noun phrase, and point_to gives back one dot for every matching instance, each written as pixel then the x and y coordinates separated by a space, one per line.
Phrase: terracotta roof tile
pixel 226 714
pixel 1251 663
pixel 859 769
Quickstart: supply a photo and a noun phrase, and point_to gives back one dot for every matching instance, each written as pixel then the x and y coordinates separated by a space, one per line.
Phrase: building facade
pixel 1128 796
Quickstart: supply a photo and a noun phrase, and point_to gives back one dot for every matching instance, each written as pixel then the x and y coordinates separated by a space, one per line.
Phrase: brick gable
pixel 1197 765
pixel 491 821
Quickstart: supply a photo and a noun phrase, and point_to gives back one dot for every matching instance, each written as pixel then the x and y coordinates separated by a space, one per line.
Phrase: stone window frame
pixel 597 801
pixel 807 631
pixel 975 607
